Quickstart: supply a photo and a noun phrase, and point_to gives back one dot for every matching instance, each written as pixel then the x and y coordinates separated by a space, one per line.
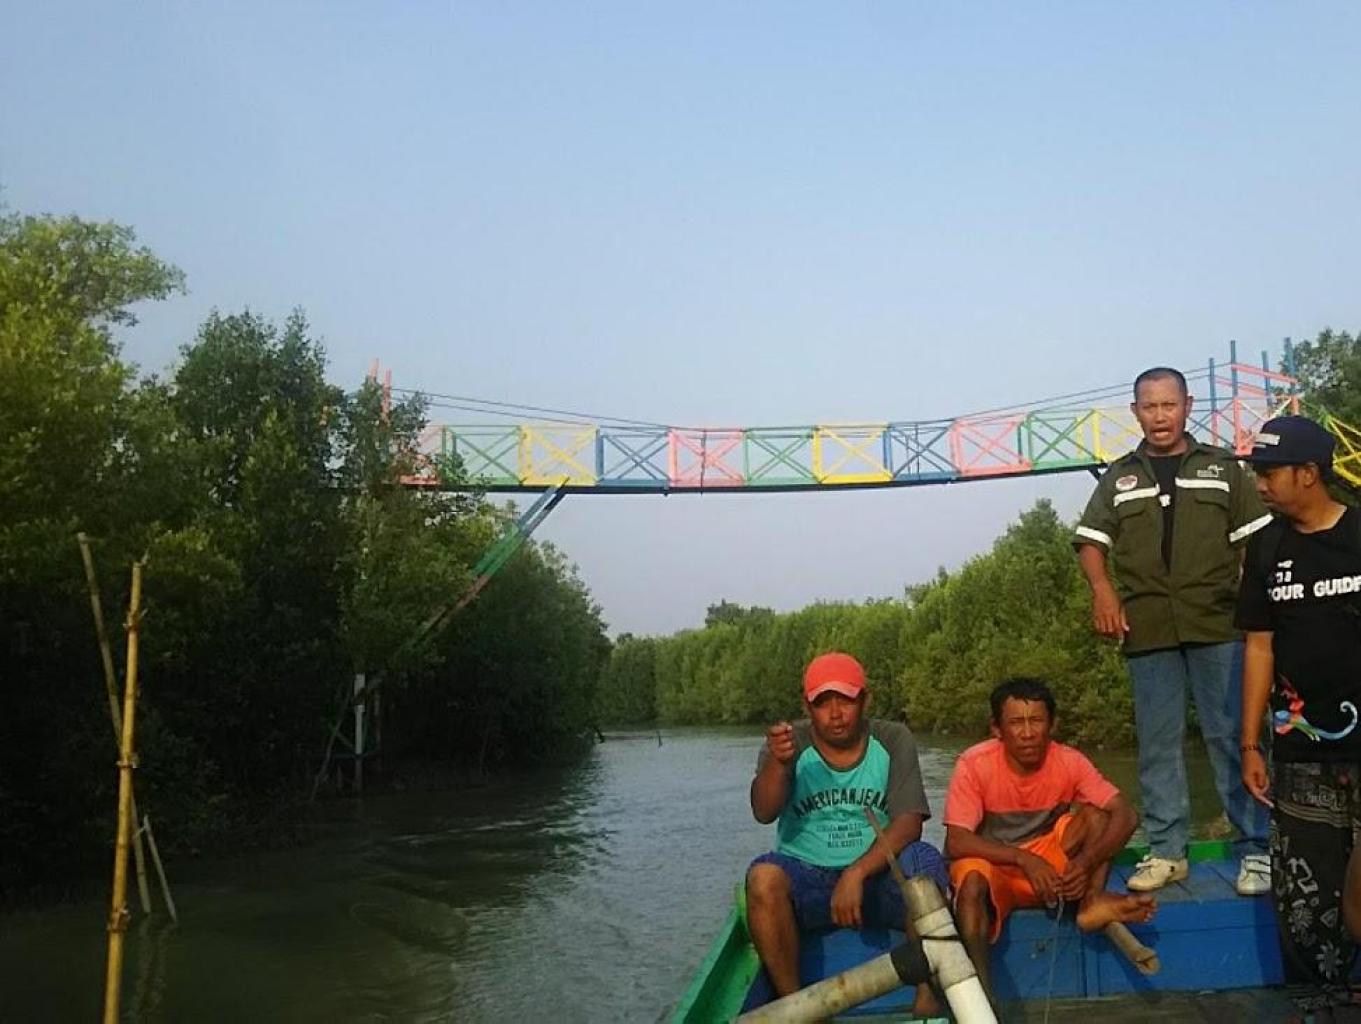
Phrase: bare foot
pixel 926 1004
pixel 1107 907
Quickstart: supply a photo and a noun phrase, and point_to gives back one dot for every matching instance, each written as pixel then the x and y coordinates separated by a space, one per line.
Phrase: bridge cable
pixel 514 408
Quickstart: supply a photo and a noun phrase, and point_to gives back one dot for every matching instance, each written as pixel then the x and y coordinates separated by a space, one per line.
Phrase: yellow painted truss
pixel 850 454
pixel 554 453
pixel 1114 432
pixel 1347 458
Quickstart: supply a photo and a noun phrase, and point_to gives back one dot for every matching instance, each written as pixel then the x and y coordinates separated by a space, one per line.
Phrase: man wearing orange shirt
pixel 1030 822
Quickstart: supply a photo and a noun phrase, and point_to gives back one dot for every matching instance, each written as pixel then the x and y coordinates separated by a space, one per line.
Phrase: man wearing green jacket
pixel 1171 518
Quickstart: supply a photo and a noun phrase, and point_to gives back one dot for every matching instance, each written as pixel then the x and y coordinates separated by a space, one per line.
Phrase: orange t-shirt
pixel 986 796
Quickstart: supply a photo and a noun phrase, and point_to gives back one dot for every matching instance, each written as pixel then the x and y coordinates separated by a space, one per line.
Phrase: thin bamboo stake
pixel 110 679
pixel 118 909
pixel 115 716
pixel 139 859
pixel 160 870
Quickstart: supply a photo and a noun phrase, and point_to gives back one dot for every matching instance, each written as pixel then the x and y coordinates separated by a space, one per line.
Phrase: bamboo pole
pixel 106 654
pixel 1145 960
pixel 160 870
pixel 115 717
pixel 118 908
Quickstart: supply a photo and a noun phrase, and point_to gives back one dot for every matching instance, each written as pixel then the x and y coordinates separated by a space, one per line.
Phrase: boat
pixel 1206 936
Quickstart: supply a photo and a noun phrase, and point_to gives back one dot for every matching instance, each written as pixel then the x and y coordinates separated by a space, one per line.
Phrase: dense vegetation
pixel 934 655
pixel 282 557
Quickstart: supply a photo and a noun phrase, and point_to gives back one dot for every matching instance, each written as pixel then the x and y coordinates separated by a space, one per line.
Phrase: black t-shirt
pixel 1165 470
pixel 1306 589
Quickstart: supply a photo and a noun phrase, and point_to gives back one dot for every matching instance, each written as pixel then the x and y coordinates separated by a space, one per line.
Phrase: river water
pixel 586 894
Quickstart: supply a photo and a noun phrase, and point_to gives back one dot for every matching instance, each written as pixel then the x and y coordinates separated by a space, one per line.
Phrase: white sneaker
pixel 1155 872
pixel 1254 875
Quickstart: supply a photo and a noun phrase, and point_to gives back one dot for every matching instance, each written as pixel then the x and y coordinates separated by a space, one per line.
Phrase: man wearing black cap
pixel 1300 604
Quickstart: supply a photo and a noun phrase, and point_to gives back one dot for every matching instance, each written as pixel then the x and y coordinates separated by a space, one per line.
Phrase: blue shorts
pixel 882 906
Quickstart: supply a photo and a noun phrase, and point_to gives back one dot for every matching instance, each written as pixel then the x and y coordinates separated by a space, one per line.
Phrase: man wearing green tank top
pixel 816 777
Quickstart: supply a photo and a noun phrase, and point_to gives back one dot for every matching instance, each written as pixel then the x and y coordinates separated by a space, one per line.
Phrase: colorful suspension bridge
pixel 1082 432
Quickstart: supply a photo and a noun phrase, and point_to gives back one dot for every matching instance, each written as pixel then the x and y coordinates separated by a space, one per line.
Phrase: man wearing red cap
pixel 817 776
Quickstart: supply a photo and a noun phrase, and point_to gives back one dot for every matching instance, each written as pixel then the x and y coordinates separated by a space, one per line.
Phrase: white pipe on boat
pixel 950 964
pixel 849 988
pixel 938 953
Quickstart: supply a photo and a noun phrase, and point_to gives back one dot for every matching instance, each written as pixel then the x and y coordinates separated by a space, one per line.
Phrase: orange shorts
pixel 1008 887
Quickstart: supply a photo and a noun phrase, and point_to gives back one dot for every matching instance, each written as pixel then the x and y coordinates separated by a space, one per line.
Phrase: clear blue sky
pixel 730 214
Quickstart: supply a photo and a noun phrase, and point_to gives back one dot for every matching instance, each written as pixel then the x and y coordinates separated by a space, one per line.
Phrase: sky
pixel 727 214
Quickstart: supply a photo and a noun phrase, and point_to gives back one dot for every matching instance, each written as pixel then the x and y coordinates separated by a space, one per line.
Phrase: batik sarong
pixel 1313 829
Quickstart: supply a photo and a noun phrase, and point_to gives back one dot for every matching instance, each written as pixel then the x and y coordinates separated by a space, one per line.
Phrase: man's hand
pixel 780 742
pixel 1108 613
pixel 1075 879
pixel 847 897
pixel 1042 876
pixel 1255 778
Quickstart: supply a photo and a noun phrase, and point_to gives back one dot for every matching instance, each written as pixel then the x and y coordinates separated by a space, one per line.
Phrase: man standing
pixel 1301 606
pixel 817 777
pixel 1172 517
pixel 1031 822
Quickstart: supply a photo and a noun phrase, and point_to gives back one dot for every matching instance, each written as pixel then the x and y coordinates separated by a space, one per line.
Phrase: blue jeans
pixel 882 904
pixel 1214 672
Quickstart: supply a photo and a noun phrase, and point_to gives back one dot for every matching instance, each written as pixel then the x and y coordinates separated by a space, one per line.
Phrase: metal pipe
pixel 1234 403
pixel 1214 406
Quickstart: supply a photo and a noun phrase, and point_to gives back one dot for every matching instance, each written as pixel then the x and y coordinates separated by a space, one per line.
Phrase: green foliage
pixel 1329 372
pixel 627 694
pixel 63 283
pixel 1022 608
pixel 283 555
pixel 405 552
pixel 509 694
pixel 728 612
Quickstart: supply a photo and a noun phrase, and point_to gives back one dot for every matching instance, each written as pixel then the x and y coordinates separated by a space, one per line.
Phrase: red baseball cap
pixel 837 672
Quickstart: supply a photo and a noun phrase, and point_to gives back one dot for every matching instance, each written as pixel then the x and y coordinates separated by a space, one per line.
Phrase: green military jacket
pixel 1214 511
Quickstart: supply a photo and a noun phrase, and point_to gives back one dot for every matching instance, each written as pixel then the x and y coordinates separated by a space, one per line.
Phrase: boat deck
pixel 1205 934
pixel 1164 1007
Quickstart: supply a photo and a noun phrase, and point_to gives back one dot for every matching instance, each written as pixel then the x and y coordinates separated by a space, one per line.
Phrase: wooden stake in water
pixel 118 908
pixel 160 870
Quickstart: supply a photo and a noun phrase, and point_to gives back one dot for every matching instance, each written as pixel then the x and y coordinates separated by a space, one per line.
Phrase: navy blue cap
pixel 1292 441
